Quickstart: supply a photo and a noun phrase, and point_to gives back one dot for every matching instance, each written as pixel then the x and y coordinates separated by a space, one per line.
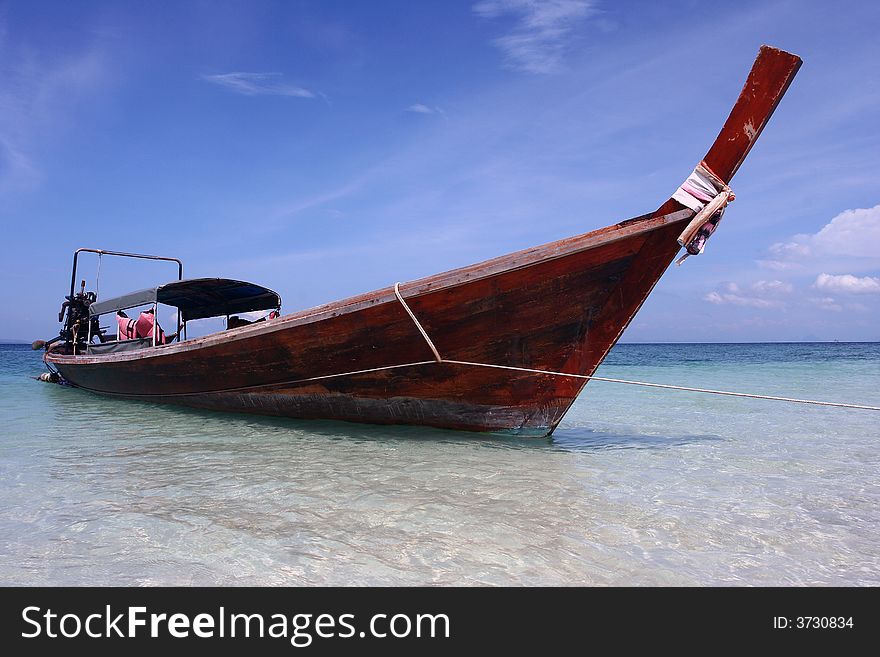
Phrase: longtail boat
pixel 505 345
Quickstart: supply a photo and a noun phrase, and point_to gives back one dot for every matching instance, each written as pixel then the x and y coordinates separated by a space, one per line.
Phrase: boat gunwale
pixel 429 284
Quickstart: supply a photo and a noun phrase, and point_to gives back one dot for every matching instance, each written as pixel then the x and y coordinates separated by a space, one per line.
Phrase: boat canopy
pixel 197 298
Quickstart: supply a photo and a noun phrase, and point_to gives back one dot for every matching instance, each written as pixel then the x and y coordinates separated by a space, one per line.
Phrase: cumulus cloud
pixel 538 41
pixel 258 84
pixel 848 284
pixel 851 234
pixel 755 296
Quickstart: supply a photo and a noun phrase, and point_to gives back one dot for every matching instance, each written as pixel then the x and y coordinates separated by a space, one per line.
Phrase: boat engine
pixel 75 315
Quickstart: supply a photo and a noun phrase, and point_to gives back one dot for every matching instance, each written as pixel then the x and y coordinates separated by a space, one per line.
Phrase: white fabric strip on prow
pixel 697 190
pixel 707 195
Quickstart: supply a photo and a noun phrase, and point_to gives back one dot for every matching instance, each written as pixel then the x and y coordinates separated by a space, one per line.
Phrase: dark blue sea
pixel 637 487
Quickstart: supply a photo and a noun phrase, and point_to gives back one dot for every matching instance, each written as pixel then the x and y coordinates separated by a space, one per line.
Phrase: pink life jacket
pixel 126 327
pixel 130 329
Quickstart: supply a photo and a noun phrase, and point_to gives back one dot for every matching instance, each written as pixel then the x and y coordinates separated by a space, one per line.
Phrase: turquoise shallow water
pixel 637 486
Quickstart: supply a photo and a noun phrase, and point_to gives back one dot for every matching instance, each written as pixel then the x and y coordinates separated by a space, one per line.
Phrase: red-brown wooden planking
pixel 560 307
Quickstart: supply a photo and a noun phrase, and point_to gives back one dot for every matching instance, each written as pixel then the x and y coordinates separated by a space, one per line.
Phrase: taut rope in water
pixel 672 387
pixel 727 393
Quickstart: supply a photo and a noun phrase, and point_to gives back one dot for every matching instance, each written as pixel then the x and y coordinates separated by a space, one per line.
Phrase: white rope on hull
pixel 585 377
pixel 417 323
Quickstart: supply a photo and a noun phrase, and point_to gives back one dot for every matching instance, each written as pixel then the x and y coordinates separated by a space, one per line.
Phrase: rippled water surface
pixel 637 486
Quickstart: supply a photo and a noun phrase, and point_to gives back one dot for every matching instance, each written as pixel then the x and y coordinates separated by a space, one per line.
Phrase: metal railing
pixel 142 256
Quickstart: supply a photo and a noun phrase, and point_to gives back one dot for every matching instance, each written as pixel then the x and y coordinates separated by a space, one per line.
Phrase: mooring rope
pixel 417 323
pixel 585 377
pixel 670 387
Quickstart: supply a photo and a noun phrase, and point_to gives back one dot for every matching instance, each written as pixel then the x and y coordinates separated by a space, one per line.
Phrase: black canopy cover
pixel 197 298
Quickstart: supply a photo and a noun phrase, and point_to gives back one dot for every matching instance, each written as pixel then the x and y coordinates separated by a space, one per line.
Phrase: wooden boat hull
pixel 559 307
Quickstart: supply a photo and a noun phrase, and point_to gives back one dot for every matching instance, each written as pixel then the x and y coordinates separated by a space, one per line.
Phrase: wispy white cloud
pixel 826 303
pixel 755 296
pixel 38 96
pixel 777 265
pixel 17 170
pixel 289 210
pixel 542 33
pixel 421 108
pixel 833 305
pixel 720 298
pixel 848 284
pixel 772 287
pixel 790 249
pixel 259 84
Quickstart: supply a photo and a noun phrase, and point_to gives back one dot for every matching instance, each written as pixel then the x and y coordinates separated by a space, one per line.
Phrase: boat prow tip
pixel 780 51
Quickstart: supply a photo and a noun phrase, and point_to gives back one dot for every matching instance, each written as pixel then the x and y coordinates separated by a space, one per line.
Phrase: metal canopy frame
pixel 123 254
pixel 103 252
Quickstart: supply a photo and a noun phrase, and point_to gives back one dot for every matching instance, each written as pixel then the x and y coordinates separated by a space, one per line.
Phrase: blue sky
pixel 328 148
